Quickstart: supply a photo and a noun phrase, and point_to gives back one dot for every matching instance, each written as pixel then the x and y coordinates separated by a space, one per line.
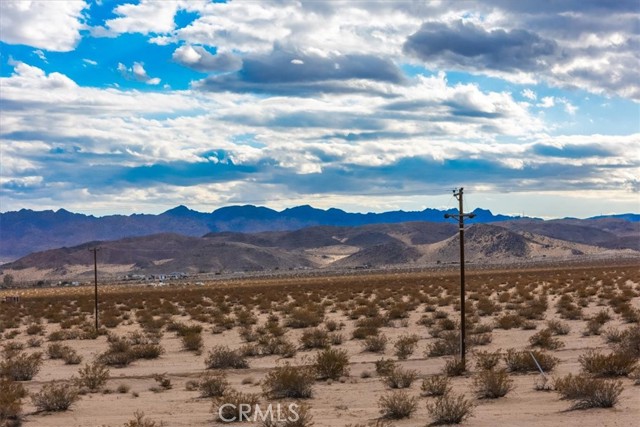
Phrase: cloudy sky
pixel 120 107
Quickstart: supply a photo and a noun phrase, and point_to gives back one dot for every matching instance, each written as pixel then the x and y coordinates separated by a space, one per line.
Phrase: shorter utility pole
pixel 460 216
pixel 95 281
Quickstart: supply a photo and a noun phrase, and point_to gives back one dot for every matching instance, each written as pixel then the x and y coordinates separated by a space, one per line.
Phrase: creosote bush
pixel 491 384
pixel 375 343
pixel 449 409
pixel 21 366
pixel 435 385
pixel 55 397
pixel 234 405
pixel 397 405
pixel 400 378
pixel 405 346
pixel 289 382
pixel 545 340
pixel 11 394
pixel 487 359
pixel 331 364
pixel 588 392
pixel 521 361
pixel 93 376
pixel 222 357
pixel 212 384
pixel 139 420
pixel 607 365
pixel 454 367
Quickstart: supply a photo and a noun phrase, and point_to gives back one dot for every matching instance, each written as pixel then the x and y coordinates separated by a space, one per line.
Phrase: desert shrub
pixel 11 394
pixel 331 325
pixel 435 385
pixel 522 361
pixel 71 357
pixel 146 351
pixel 557 327
pixel 212 384
pixel 400 378
pixel 487 359
pixel 375 343
pixel 446 345
pixel 56 350
pixel 304 318
pixel 34 329
pixel 454 367
pixel 449 409
pixel 405 346
pixel 397 405
pixel 331 364
pixel 384 366
pixel 289 382
pixel 630 342
pixel 362 332
pixel 123 388
pixel 222 357
pixel 164 383
pixel 491 384
pixel 93 376
pixel 336 338
pixel 34 342
pixel 509 321
pixel 588 392
pixel 235 406
pixel 545 340
pixel 607 365
pixel 192 341
pixel 55 397
pixel 139 420
pixel 291 415
pixel 314 338
pixel 21 366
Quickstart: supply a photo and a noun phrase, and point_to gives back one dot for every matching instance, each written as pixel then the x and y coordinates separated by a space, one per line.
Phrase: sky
pixel 136 107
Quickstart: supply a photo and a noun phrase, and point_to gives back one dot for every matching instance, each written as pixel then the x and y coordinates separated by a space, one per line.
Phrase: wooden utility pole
pixel 460 216
pixel 95 281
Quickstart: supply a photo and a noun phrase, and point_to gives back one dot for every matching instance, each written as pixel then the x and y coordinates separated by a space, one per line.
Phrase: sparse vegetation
pixel 492 384
pixel 289 382
pixel 450 409
pixel 435 385
pixel 93 376
pixel 397 405
pixel 55 397
pixel 331 364
pixel 587 392
pixel 222 357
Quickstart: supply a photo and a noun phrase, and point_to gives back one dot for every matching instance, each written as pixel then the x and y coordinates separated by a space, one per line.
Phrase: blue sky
pixel 120 107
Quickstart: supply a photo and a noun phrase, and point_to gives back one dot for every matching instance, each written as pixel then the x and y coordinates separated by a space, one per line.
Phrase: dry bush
pixel 21 366
pixel 450 409
pixel 222 357
pixel 331 364
pixel 509 321
pixel 11 394
pixel 304 318
pixel 212 384
pixel 447 344
pixel 375 343
pixel 93 376
pixel 314 338
pixel 34 329
pixel 487 359
pixel 491 384
pixel 630 342
pixel 400 378
pixel 384 366
pixel 289 382
pixel 55 397
pixel 405 346
pixel 557 327
pixel 521 360
pixel 545 340
pixel 291 415
pixel 454 367
pixel 435 385
pixel 607 365
pixel 192 341
pixel 397 405
pixel 234 405
pixel 164 382
pixel 588 392
pixel 139 420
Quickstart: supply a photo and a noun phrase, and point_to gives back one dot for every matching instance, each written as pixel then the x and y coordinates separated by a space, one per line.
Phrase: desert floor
pixel 351 399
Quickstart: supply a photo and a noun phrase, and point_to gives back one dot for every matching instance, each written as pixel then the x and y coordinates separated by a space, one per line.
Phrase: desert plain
pixel 571 313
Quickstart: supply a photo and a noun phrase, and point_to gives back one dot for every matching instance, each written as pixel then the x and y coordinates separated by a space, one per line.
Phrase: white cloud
pixel 200 59
pixel 546 102
pixel 138 73
pixel 49 25
pixel 145 17
pixel 90 61
pixel 529 94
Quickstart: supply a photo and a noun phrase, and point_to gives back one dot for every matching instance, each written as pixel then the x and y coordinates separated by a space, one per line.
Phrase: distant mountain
pixel 28 231
pixel 321 247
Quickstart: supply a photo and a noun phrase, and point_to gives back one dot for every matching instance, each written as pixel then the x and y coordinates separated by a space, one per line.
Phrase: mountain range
pixel 335 247
pixel 26 231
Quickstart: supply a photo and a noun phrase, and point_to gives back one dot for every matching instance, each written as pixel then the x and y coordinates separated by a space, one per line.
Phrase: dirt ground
pixel 350 400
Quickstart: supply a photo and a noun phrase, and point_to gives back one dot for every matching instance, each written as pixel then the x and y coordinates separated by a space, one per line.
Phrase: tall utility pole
pixel 95 281
pixel 460 216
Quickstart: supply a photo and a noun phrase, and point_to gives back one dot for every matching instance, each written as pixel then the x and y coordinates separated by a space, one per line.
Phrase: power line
pixel 95 281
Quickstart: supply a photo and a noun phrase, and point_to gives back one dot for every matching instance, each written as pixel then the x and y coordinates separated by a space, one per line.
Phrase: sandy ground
pixel 340 403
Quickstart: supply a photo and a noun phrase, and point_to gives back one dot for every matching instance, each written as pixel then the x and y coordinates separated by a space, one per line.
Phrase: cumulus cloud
pixel 138 73
pixel 199 59
pixel 52 26
pixel 469 46
pixel 145 17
